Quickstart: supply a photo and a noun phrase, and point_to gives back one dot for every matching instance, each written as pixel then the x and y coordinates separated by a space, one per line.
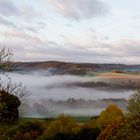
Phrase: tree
pixel 8 107
pixel 70 130
pixel 126 128
pixel 111 113
pixel 13 88
pixel 62 125
pixel 10 93
pixel 5 60
pixel 134 104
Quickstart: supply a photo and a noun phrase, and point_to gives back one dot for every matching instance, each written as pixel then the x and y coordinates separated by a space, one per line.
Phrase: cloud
pixel 6 22
pixel 128 47
pixel 11 25
pixel 22 16
pixel 79 9
pixel 7 8
pixel 28 47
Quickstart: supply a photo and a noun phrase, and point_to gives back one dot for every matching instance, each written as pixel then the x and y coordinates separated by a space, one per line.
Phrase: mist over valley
pixel 53 93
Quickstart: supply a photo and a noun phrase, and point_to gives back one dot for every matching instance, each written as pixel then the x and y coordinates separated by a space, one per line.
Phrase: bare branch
pixel 6 59
pixel 16 89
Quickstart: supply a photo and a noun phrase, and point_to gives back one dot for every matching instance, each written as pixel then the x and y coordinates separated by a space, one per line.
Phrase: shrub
pixel 83 134
pixel 26 131
pixel 88 133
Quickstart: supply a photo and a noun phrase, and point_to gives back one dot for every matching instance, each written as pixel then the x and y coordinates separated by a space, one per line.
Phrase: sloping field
pixel 119 77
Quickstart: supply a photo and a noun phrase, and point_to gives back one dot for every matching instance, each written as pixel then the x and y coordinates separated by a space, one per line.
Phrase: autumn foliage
pixel 111 113
pixel 62 124
pixel 127 128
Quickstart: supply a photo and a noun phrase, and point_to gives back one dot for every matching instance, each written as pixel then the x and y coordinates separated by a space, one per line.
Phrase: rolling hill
pixel 57 67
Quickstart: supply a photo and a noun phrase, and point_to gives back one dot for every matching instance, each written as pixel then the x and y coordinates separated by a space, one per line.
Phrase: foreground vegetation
pixel 111 124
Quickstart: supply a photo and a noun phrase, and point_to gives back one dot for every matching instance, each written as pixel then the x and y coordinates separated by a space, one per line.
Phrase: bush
pixel 26 131
pixel 88 134
pixel 83 134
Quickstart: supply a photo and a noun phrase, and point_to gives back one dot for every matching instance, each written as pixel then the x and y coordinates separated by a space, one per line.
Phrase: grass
pixel 81 119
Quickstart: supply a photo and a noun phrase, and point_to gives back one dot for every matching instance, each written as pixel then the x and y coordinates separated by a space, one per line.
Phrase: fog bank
pixel 45 87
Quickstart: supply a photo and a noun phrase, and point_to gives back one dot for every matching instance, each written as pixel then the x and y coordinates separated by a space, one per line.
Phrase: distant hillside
pixel 57 67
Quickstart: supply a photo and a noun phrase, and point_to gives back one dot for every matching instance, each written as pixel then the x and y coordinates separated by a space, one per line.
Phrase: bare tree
pixel 133 106
pixel 13 88
pixel 11 94
pixel 6 59
pixel 6 65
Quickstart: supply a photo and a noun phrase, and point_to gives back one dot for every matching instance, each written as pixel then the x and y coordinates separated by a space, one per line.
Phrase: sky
pixel 94 31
